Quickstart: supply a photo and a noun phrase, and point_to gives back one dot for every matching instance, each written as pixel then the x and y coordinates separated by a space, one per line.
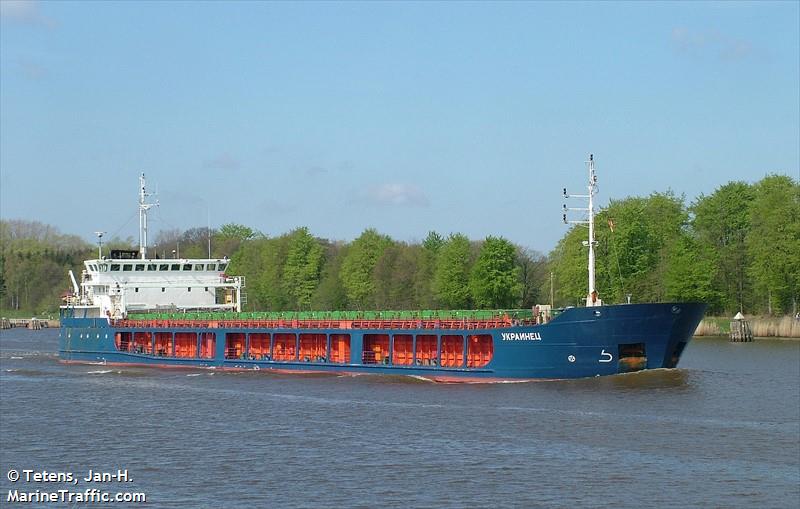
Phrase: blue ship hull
pixel 579 342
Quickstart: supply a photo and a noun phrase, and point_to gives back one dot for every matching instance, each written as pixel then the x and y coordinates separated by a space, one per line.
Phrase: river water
pixel 721 431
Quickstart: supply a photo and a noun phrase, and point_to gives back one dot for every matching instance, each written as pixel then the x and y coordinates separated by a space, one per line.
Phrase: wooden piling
pixel 740 330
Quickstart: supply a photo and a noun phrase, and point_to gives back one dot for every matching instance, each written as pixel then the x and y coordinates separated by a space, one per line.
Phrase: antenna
pixel 99 244
pixel 143 208
pixel 591 299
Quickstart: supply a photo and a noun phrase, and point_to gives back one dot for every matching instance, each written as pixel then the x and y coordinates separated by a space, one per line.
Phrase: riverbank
pixel 762 327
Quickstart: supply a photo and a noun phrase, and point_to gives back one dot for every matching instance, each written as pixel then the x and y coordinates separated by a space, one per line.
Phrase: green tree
pixel 424 296
pixel 533 276
pixel 773 242
pixel 261 262
pixel 227 240
pixel 358 265
pixel 35 261
pixel 330 294
pixel 495 277
pixel 721 222
pixel 451 280
pixel 690 274
pixel 568 262
pixel 302 269
pixel 394 277
pixel 236 231
pixel 633 258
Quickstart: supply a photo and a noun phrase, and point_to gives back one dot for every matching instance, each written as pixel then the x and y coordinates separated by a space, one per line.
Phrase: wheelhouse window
pixel 114 267
pixel 198 266
pixel 187 266
pixel 151 266
pixel 127 267
pixel 222 267
pixel 175 266
pixel 139 267
pixel 163 266
pixel 211 266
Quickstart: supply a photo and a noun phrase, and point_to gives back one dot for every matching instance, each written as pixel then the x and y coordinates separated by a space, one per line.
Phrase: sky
pixel 402 116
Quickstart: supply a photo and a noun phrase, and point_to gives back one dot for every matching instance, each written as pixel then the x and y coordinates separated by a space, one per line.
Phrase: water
pixel 723 431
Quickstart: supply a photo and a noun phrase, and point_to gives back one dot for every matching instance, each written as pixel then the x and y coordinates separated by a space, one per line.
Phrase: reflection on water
pixel 721 431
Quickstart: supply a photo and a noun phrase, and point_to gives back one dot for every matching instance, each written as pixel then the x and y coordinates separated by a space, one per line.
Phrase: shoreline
pixel 785 327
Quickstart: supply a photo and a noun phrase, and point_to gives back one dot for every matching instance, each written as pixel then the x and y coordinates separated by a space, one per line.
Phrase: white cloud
pixel 224 161
pixel 315 171
pixel 710 42
pixel 396 194
pixel 278 207
pixel 31 70
pixel 26 12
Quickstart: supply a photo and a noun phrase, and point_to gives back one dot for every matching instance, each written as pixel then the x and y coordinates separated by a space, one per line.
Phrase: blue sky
pixel 406 117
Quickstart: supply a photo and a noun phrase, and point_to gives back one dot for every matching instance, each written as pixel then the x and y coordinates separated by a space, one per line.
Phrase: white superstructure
pixel 111 287
pixel 117 286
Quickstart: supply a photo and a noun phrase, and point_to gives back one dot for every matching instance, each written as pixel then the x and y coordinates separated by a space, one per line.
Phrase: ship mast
pixel 592 187
pixel 143 208
pixel 591 299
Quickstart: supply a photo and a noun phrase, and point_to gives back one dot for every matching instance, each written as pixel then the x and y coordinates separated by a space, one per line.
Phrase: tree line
pixel 735 249
pixel 738 248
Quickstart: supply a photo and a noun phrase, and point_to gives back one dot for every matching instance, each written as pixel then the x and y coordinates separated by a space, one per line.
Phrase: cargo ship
pixel 133 309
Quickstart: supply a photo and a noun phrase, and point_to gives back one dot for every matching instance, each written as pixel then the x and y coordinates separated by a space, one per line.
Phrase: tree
pixel 236 231
pixel 773 242
pixel 358 265
pixel 495 277
pixel 301 272
pixel 330 294
pixel 633 258
pixel 451 280
pixel 261 262
pixel 194 242
pixel 394 277
pixel 35 260
pixel 424 296
pixel 533 275
pixel 568 262
pixel 721 222
pixel 690 274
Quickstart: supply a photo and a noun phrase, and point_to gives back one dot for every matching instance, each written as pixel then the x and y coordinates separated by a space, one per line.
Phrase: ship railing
pixel 449 324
